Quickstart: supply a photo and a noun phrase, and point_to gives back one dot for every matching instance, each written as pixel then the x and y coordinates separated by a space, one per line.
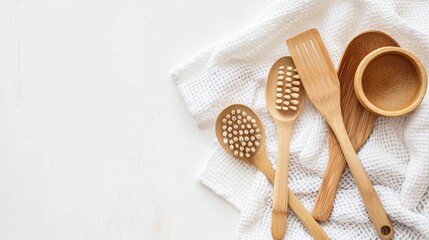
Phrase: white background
pixel 95 140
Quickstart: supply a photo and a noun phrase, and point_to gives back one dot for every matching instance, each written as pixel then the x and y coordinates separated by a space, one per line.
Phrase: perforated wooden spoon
pixel 357 120
pixel 225 127
pixel 321 83
pixel 284 97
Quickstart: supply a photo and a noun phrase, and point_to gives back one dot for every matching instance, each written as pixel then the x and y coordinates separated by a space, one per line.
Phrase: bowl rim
pixel 365 102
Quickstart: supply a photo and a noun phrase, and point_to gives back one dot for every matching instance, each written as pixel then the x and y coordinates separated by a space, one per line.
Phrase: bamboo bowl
pixel 390 81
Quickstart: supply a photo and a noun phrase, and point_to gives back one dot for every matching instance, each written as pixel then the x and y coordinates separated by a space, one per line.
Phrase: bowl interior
pixel 392 82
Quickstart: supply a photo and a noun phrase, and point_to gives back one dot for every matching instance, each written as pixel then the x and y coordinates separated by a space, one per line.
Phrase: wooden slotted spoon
pixel 259 159
pixel 358 121
pixel 321 84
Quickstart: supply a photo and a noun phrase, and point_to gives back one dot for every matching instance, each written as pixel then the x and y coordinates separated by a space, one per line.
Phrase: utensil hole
pixel 385 230
pixel 300 53
pixel 314 47
pixel 308 52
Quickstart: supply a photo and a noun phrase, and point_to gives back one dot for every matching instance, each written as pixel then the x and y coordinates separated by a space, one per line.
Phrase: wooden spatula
pixel 321 83
pixel 358 121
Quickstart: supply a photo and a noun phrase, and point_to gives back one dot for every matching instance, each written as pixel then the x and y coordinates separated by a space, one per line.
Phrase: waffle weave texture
pixel 395 156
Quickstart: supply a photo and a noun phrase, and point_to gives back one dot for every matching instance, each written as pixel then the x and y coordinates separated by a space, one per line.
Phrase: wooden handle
pixel 262 163
pixel 313 227
pixel 373 205
pixel 328 189
pixel 280 199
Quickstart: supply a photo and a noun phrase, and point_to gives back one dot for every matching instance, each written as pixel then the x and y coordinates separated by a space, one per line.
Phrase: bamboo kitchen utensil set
pixel 375 78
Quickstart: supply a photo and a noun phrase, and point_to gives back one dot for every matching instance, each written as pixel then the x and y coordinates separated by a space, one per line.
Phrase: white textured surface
pixel 395 155
pixel 95 141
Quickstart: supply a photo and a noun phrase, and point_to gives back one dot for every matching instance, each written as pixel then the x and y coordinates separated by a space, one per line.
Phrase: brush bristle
pixel 241 133
pixel 287 90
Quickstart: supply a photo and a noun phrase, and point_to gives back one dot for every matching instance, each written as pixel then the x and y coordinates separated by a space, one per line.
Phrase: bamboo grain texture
pixel 357 120
pixel 300 211
pixel 284 97
pixel 322 86
pixel 390 82
pixel 259 159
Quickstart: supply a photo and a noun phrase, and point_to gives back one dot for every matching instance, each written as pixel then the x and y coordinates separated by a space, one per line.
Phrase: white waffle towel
pixel 395 156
